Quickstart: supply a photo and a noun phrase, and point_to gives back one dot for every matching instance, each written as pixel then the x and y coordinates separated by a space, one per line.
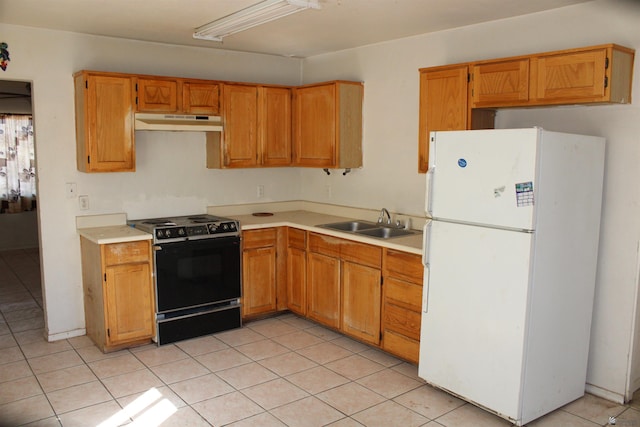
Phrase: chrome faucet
pixel 384 212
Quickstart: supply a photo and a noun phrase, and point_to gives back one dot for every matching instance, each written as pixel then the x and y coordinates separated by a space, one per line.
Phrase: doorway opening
pixel 21 306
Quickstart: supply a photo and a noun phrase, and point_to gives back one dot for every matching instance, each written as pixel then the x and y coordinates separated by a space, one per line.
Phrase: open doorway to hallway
pixel 21 301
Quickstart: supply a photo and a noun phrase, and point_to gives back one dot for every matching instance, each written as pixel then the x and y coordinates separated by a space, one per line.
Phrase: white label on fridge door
pixel 524 194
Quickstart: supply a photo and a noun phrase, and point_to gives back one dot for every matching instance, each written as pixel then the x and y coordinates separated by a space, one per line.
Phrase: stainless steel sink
pixel 386 232
pixel 352 226
pixel 369 229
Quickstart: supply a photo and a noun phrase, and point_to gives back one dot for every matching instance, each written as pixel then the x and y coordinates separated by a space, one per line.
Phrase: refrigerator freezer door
pixel 473 330
pixel 484 177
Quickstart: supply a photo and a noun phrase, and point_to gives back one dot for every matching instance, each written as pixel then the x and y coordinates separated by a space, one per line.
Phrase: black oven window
pixel 198 268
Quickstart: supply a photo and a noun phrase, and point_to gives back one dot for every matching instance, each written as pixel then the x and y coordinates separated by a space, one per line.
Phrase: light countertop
pixel 116 232
pixel 309 221
pixel 113 234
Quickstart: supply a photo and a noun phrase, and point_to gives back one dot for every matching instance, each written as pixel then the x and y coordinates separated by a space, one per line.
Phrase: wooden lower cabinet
pixel 118 293
pixel 361 301
pixel 323 289
pixel 259 292
pixel 343 286
pixel 402 304
pixel 297 271
pixel 369 293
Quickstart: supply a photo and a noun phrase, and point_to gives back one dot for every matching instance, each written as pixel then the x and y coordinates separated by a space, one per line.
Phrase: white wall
pixel 19 230
pixel 390 179
pixel 171 177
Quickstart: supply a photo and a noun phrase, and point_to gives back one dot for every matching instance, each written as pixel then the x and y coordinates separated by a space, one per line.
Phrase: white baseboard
pixel 605 394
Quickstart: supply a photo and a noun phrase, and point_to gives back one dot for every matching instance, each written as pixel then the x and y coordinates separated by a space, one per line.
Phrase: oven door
pixel 197 272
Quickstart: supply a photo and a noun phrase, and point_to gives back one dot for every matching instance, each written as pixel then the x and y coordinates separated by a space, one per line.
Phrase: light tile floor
pixel 283 371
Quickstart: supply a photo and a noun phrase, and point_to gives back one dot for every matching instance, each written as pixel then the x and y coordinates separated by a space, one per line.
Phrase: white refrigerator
pixel 510 258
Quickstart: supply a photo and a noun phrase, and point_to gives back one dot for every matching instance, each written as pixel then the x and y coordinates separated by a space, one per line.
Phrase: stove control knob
pixel 159 234
pixel 225 226
pixel 181 231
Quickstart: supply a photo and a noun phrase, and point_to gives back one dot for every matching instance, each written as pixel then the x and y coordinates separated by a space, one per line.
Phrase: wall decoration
pixel 4 56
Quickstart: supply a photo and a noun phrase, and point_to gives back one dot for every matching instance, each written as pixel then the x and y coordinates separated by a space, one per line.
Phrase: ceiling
pixel 338 25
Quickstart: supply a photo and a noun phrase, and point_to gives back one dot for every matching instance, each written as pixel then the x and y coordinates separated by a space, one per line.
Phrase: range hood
pixel 178 122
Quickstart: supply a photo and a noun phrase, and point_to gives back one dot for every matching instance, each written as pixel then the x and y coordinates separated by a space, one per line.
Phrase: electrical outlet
pixel 327 190
pixel 71 190
pixel 83 201
pixel 260 191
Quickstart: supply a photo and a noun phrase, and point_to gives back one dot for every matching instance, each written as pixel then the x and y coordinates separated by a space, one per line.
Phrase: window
pixel 17 164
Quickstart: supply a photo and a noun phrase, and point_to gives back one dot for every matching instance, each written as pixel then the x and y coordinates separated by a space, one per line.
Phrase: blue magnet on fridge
pixel 462 163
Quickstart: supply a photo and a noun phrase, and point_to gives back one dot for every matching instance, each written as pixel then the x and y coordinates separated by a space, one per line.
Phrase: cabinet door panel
pixel 201 98
pixel 443 105
pixel 573 76
pixel 275 126
pixel 159 96
pixel 259 281
pixel 129 299
pixel 109 129
pixel 315 124
pixel 240 139
pixel 296 280
pixel 501 83
pixel 361 302
pixel 323 289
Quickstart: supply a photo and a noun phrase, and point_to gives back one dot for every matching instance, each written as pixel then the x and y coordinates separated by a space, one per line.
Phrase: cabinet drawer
pixel 124 253
pixel 404 265
pixel 361 253
pixel 325 245
pixel 346 250
pixel 403 294
pixel 297 238
pixel 259 238
pixel 402 320
pixel 401 346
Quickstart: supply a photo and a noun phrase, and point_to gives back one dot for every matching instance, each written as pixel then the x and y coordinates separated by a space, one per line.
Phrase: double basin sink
pixel 369 229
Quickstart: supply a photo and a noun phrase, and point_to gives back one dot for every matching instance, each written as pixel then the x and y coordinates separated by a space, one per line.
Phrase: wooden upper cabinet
pixel 157 95
pixel 257 128
pixel 465 96
pixel 240 139
pixel 328 125
pixel 274 126
pixel 600 74
pixel 443 105
pixel 104 122
pixel 201 98
pixel 501 83
pixel 168 95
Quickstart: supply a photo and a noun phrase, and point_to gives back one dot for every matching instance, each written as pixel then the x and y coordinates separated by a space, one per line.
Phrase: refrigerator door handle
pixel 430 174
pixel 425 262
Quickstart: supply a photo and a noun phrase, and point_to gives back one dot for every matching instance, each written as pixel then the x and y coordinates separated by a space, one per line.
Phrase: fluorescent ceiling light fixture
pixel 252 16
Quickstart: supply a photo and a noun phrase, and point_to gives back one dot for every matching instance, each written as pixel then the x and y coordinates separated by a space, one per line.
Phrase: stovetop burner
pixel 189 227
pixel 157 221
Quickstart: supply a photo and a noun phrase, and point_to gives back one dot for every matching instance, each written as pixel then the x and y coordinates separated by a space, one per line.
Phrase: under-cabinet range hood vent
pixel 178 122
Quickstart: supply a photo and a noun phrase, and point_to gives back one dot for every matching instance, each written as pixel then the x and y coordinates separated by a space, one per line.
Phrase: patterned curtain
pixel 17 164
